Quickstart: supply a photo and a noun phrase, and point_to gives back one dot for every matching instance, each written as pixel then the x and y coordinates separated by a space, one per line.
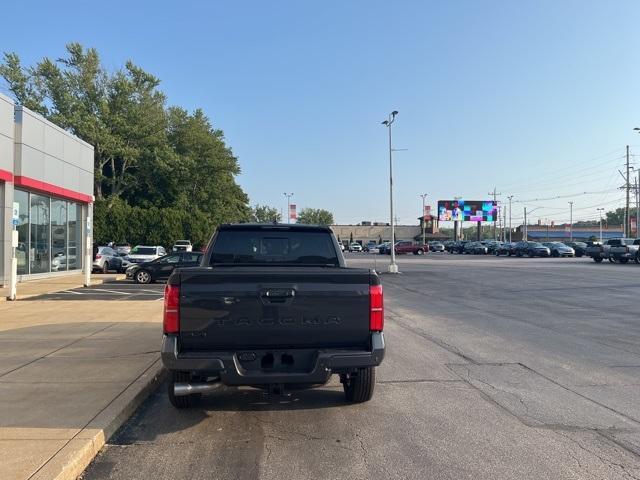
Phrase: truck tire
pixel 420 252
pixel 597 259
pixel 185 401
pixel 359 387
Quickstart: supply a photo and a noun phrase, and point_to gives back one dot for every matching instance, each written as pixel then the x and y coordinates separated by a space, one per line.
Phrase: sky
pixel 536 99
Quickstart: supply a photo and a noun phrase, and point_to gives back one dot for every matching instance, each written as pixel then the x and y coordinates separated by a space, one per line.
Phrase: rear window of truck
pixel 246 247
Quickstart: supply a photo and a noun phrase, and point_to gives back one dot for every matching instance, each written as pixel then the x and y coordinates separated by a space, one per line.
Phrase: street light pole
pixel 571 221
pixel 424 220
pixel 288 195
pixel 525 224
pixel 600 210
pixel 393 268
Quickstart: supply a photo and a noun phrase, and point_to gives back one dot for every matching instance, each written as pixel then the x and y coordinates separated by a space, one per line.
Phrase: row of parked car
pixel 517 249
pixel 401 247
pixel 121 257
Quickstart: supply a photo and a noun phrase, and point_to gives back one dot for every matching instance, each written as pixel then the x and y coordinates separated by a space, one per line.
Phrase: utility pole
pixel 288 195
pixel 510 197
pixel 393 267
pixel 626 210
pixel 495 202
pixel 638 205
pixel 504 225
pixel 571 221
pixel 424 220
pixel 525 224
pixel 600 210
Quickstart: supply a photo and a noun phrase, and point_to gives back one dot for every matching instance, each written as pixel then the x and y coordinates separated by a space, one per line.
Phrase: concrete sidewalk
pixel 43 286
pixel 71 372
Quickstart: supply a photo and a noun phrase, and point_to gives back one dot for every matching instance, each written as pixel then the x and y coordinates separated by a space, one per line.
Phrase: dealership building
pixel 46 195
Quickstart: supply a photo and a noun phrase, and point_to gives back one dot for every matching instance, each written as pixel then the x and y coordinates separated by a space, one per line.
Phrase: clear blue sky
pixel 519 95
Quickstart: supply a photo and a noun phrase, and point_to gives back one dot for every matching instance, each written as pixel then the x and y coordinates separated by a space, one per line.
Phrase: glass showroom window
pixel 75 236
pixel 22 252
pixel 59 258
pixel 39 248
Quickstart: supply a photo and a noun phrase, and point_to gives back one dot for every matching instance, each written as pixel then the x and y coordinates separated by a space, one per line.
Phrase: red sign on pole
pixel 293 215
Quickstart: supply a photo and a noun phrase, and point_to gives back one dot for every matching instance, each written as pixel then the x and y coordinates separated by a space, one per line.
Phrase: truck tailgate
pixel 246 308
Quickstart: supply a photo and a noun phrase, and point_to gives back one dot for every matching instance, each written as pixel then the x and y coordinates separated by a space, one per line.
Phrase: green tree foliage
pixel 264 214
pixel 315 216
pixel 152 162
pixel 616 217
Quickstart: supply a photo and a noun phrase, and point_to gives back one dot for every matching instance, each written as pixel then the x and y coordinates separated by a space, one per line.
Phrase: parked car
pixel 182 246
pixel 531 249
pixel 459 246
pixel 272 307
pixel 374 249
pixel 480 248
pixel 106 260
pixel 625 251
pixel 492 246
pixel 143 253
pixel 468 248
pixel 122 249
pixel 503 249
pixel 405 246
pixel 161 268
pixel 559 249
pixel 436 247
pixel 355 247
pixel 384 248
pixel 580 248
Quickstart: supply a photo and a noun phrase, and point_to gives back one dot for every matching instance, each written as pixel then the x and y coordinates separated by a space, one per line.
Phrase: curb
pixel 70 461
pixel 98 281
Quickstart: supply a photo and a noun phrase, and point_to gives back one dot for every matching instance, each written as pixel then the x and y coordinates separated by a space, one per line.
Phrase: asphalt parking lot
pixel 496 368
pixel 121 290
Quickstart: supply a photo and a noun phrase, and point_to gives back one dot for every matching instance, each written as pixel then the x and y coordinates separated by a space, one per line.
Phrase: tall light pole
pixel 288 195
pixel 571 221
pixel 600 210
pixel 393 268
pixel 510 197
pixel 424 220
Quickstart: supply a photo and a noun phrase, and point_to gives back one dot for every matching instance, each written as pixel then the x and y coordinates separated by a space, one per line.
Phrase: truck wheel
pixel 420 252
pixel 180 402
pixel 597 259
pixel 359 387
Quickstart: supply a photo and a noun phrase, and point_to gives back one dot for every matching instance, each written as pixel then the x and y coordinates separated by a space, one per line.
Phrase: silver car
pixel 106 260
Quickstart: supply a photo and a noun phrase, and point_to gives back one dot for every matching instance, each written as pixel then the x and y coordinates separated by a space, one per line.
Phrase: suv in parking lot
pixel 406 246
pixel 106 260
pixel 143 253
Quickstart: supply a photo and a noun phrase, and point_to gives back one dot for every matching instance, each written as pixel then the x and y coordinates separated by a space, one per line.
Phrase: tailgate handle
pixel 277 295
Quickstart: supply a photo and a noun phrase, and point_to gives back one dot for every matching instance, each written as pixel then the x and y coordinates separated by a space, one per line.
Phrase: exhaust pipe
pixel 184 389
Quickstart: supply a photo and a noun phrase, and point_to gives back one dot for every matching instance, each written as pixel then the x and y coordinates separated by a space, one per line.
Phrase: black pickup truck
pixel 272 306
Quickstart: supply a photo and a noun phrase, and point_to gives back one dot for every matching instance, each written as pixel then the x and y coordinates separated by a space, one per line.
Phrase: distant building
pixel 562 233
pixel 377 231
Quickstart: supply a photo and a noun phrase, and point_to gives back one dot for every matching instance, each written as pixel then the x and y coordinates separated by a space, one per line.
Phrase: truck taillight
pixel 376 308
pixel 171 316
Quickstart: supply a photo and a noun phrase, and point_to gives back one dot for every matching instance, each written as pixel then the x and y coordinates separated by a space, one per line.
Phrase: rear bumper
pixel 228 367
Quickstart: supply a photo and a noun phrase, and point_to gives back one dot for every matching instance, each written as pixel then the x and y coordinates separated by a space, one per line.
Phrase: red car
pixel 410 247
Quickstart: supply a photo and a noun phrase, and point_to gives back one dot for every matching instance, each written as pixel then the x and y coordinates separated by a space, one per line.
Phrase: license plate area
pixel 277 361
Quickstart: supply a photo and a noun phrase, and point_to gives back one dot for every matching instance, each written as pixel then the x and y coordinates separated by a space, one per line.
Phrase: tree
pixel 159 166
pixel 315 216
pixel 265 214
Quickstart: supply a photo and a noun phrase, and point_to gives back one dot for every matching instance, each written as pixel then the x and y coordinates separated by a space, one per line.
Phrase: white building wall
pixel 6 187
